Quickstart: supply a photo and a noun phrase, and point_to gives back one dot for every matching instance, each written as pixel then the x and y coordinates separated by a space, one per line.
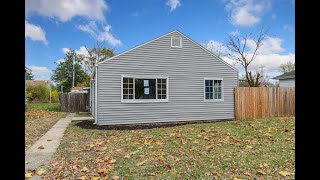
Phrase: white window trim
pixel 145 100
pixel 180 42
pixel 204 90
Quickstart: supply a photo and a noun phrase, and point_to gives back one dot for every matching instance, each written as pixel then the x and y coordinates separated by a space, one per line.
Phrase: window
pixel 176 42
pixel 213 89
pixel 137 89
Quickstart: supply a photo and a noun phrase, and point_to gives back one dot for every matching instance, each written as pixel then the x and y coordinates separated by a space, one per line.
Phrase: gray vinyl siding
pixel 186 69
pixel 286 83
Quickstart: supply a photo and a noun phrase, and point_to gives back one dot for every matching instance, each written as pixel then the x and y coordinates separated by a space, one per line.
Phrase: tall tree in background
pixel 238 51
pixel 63 74
pixel 29 76
pixel 97 54
pixel 287 67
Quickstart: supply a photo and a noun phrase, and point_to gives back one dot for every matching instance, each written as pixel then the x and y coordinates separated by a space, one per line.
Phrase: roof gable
pixel 197 44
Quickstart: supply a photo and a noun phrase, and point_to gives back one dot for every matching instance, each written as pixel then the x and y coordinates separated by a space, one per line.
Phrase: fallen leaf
pixel 84 169
pixel 95 178
pixel 27 162
pixel 40 172
pixel 82 178
pixel 28 175
pixel 40 147
pixel 127 156
pixel 236 178
pixel 118 150
pixel 261 172
pixel 249 147
pixel 115 177
pixel 112 161
pixel 141 163
pixel 284 173
pixel 247 173
pixel 103 171
pixel 49 139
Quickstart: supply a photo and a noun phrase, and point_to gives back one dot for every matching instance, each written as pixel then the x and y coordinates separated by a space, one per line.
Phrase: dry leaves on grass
pixel 39 114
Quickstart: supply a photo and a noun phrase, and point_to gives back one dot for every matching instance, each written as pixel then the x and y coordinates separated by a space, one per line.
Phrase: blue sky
pixel 54 26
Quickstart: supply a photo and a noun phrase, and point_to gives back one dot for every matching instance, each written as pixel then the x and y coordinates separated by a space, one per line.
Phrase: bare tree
pixel 95 55
pixel 237 46
pixel 287 67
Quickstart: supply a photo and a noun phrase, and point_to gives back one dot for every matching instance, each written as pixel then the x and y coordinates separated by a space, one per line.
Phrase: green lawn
pixel 39 118
pixel 262 149
pixel 44 106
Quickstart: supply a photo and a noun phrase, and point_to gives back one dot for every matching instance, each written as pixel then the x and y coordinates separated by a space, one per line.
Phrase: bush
pixel 38 93
pixel 54 96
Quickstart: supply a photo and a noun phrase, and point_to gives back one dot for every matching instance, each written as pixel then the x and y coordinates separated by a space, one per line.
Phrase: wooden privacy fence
pixel 74 102
pixel 262 102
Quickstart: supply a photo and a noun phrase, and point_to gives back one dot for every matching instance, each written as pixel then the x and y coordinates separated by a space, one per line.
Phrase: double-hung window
pixel 213 89
pixel 144 89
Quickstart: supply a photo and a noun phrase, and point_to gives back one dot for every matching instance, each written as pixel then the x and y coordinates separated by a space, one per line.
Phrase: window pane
pixel 210 82
pixel 145 83
pixel 125 80
pixel 206 82
pixel 130 96
pixel 130 91
pixel 207 89
pixel 164 97
pixel 164 81
pixel 211 94
pixel 125 91
pixel 219 96
pixel 207 95
pixel 125 85
pixel 159 91
pixel 130 85
pixel 125 96
pixel 131 80
pixel 159 96
pixel 145 92
pixel 159 85
pixel 164 86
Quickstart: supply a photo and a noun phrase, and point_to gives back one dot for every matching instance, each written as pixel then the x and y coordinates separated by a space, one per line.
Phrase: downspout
pixel 96 95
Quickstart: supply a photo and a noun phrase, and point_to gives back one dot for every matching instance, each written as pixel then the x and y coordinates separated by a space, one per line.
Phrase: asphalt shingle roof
pixel 288 75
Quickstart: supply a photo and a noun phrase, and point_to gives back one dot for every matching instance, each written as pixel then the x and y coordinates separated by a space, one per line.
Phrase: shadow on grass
pixel 88 124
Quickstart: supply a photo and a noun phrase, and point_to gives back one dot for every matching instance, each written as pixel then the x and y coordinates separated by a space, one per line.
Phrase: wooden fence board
pixel 74 102
pixel 262 102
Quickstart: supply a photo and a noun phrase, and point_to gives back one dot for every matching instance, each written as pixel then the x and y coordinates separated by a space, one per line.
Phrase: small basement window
pixel 176 42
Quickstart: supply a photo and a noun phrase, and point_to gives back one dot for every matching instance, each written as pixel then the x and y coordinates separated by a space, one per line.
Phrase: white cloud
pixel 40 72
pixel 100 35
pixel 273 16
pixel 65 10
pixel 246 12
pixel 216 47
pixel 235 33
pixel 268 56
pixel 34 32
pixel 65 50
pixel 173 4
pixel 288 28
pixel 270 45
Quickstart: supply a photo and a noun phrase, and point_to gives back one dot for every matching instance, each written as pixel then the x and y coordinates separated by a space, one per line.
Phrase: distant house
pixel 286 79
pixel 168 79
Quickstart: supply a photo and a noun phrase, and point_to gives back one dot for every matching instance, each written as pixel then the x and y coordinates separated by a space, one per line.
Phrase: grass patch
pixel 262 149
pixel 39 119
pixel 44 106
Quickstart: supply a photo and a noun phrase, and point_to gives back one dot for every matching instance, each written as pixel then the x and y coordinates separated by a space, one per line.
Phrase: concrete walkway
pixel 40 158
pixel 82 118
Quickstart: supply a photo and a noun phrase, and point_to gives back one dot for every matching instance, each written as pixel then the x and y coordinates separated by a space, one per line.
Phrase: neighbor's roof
pixel 288 75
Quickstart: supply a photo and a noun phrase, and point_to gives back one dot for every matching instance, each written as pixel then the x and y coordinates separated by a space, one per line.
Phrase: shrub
pixel 38 93
pixel 54 96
